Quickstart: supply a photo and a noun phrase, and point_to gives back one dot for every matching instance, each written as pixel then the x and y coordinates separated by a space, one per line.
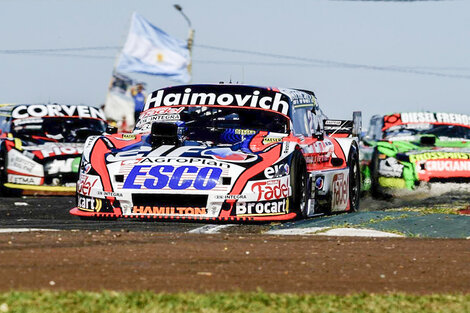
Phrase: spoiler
pixel 344 127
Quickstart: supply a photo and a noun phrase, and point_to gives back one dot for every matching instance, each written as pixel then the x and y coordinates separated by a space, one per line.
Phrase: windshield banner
pixel 239 96
pixel 426 117
pixel 56 110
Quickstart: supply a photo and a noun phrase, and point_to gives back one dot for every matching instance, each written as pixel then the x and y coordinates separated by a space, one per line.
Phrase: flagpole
pixel 190 39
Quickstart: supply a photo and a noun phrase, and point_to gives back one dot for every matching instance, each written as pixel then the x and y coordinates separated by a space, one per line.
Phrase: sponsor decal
pixel 340 192
pixel 168 210
pixel 89 204
pixel 30 120
pixel 390 167
pixel 167 150
pixel 86 167
pixel 262 208
pixel 333 122
pixel 319 182
pixel 228 154
pixel 245 132
pixel 448 166
pixel 158 118
pixel 271 189
pixel 85 183
pixel 50 150
pixel 109 194
pixel 128 136
pixel 195 161
pixel 276 171
pixel 299 97
pixel 438 155
pixel 268 140
pixel 41 110
pixel 63 166
pixel 311 158
pixel 230 197
pixel 161 110
pixel 89 142
pixel 163 98
pixel 24 180
pixel 23 164
pixel 162 176
pixel 426 117
pixel 418 117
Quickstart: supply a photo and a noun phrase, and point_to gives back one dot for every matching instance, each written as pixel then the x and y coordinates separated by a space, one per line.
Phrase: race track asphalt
pixel 53 213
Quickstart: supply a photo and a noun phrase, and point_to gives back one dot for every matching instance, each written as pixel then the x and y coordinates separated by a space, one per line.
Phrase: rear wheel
pixel 354 179
pixel 299 183
pixel 376 190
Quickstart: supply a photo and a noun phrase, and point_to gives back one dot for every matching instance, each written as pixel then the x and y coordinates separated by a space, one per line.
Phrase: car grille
pixel 170 200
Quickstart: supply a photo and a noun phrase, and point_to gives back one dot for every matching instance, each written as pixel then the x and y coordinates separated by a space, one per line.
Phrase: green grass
pixel 108 301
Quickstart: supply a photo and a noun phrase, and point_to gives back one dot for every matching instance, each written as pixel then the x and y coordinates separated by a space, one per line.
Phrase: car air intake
pixel 164 134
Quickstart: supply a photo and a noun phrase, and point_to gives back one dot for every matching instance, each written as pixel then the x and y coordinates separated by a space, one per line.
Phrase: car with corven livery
pixel 223 152
pixel 41 146
pixel 403 151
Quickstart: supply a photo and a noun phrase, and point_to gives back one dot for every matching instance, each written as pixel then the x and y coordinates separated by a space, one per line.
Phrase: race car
pixel 41 146
pixel 223 152
pixel 403 151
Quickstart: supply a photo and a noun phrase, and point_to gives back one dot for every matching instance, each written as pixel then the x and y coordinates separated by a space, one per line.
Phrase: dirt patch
pixel 224 262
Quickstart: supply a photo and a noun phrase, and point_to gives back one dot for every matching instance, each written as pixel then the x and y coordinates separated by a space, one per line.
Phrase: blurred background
pixel 374 56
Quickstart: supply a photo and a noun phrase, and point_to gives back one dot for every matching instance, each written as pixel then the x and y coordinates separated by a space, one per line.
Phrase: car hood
pixel 246 150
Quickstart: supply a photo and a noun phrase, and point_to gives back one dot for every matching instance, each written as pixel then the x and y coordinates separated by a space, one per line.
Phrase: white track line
pixel 328 231
pixel 296 231
pixel 209 229
pixel 24 230
pixel 357 232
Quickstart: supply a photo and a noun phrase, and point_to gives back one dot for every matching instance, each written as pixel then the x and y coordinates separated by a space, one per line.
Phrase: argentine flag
pixel 149 50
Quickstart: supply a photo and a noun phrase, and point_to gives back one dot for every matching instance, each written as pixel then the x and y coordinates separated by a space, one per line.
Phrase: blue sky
pixel 391 41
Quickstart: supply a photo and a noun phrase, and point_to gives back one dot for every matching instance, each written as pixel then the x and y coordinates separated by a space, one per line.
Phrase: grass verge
pixel 145 301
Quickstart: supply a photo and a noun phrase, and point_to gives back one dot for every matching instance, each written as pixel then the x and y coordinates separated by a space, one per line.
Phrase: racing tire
pixel 376 191
pixel 299 184
pixel 354 179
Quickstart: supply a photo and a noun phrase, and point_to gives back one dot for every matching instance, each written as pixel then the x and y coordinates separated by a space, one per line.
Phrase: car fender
pixel 345 144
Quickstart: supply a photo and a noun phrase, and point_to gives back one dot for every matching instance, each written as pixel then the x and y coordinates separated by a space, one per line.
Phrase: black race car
pixel 41 146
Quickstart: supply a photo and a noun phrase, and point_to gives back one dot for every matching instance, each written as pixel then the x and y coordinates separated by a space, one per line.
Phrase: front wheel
pixel 299 183
pixel 354 179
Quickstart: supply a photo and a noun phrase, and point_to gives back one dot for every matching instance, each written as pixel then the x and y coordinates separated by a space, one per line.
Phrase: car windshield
pixel 198 122
pixel 57 129
pixel 439 130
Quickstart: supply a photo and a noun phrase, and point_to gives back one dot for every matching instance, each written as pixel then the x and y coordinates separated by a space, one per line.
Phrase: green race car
pixel 406 150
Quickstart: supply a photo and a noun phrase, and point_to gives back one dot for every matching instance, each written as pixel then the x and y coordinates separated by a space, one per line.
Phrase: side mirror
pixel 319 133
pixel 111 129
